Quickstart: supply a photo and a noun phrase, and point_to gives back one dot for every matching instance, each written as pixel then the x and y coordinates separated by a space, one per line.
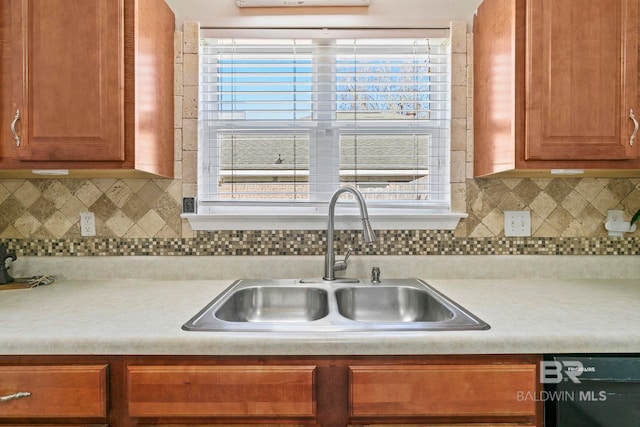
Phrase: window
pixel 285 122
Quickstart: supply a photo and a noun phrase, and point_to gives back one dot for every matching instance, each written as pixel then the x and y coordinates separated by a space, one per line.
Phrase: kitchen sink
pixel 316 305
pixel 390 304
pixel 274 304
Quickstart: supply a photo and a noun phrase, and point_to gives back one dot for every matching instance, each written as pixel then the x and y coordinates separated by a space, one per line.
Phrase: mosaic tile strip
pixel 390 242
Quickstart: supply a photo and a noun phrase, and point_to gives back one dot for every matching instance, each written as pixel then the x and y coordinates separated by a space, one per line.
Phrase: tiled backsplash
pixel 50 208
pixel 560 207
pixel 150 208
pixel 142 216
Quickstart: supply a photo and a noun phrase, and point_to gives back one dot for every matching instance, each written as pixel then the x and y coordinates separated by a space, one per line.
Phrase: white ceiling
pixel 380 14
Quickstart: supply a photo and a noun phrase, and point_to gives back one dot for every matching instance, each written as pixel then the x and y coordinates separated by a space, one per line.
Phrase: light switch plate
pixel 517 223
pixel 189 205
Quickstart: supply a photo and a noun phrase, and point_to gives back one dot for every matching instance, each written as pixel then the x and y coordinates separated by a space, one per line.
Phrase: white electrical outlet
pixel 517 223
pixel 615 215
pixel 87 224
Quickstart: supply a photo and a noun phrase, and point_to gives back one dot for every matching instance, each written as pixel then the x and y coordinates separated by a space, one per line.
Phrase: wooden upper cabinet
pixel 68 79
pixel 582 72
pixel 91 82
pixel 555 85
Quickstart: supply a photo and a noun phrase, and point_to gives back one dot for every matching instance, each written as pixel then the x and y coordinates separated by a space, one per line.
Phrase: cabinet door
pixel 442 390
pixel 441 425
pixel 53 391
pixel 221 391
pixel 68 79
pixel 581 77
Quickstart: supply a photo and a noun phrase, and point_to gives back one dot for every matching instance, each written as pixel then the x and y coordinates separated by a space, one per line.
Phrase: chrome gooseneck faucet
pixel 368 235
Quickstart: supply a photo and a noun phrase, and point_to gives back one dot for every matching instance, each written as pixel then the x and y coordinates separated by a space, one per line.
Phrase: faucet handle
pixel 342 264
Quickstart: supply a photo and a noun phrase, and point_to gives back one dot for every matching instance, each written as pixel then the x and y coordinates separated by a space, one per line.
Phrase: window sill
pixel 345 219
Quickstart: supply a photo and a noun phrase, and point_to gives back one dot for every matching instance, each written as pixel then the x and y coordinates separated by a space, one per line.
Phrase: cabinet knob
pixel 16 137
pixel 632 116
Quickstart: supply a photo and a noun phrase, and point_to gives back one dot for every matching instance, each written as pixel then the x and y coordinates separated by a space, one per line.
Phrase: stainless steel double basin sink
pixel 341 305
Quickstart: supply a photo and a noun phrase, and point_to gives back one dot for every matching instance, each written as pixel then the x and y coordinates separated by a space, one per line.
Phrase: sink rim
pixel 205 321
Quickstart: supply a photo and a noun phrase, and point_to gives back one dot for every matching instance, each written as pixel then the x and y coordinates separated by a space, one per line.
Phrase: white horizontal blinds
pixel 393 103
pixel 254 95
pixel 294 119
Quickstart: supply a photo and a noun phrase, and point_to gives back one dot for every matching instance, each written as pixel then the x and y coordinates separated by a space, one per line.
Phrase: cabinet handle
pixel 632 116
pixel 16 137
pixel 17 395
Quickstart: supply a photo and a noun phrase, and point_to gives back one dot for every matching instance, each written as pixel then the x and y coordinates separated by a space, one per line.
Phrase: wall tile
pixel 459 135
pixel 88 193
pixel 458 166
pixel 190 102
pixel 191 37
pixel 29 193
pixel 151 223
pixel 57 224
pixel 120 223
pixel 177 146
pixel 178 46
pixel 24 226
pixel 72 209
pixel 458 37
pixel 189 189
pixel 190 167
pixel 459 69
pixel 190 70
pixel 178 80
pixel 177 169
pixel 458 102
pixel 190 135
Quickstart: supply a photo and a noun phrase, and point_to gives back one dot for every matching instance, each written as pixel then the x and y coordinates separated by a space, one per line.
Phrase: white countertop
pixel 141 316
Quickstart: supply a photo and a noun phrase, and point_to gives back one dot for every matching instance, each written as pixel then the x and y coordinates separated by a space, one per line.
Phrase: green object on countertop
pixel 635 217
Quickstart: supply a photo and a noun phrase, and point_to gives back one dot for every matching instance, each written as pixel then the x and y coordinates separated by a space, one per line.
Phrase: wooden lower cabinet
pixel 441 390
pixel 221 391
pixel 275 391
pixel 442 425
pixel 57 394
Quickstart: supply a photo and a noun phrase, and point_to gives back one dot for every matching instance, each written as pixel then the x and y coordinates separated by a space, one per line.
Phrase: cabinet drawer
pixel 442 390
pixel 442 425
pixel 54 391
pixel 223 391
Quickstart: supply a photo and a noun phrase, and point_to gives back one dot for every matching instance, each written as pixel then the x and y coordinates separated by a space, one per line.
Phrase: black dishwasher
pixel 594 391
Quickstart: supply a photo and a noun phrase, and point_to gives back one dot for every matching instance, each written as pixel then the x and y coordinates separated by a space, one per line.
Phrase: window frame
pixel 311 214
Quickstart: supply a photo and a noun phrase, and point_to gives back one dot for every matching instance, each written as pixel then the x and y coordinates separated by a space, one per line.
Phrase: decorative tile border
pixel 390 242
